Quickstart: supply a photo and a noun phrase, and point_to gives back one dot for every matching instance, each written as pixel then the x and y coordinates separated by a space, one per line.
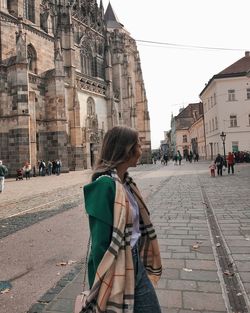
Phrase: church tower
pixel 129 101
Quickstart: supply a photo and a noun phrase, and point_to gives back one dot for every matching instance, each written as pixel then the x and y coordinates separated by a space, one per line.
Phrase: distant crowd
pixel 41 169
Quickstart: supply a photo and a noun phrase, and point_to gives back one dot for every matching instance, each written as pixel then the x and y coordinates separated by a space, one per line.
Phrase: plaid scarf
pixel 113 287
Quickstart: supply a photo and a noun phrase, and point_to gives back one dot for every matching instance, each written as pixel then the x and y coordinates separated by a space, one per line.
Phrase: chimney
pixel 247 53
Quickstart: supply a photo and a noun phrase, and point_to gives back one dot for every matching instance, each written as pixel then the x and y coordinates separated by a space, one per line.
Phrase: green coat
pixel 3 170
pixel 99 203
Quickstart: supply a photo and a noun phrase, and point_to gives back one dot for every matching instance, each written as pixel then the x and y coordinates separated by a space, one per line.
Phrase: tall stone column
pixel 55 140
pixel 19 132
pixel 75 146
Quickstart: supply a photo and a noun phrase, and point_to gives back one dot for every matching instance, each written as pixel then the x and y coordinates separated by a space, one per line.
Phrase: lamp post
pixel 223 138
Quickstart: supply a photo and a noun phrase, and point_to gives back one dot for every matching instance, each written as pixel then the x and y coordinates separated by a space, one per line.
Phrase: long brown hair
pixel 118 146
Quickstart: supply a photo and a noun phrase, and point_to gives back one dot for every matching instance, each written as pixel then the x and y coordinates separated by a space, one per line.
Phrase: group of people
pixel 52 167
pixel 220 162
pixel 177 158
pixel 190 156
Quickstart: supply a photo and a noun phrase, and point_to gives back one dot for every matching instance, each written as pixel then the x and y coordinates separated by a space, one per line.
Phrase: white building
pixel 226 101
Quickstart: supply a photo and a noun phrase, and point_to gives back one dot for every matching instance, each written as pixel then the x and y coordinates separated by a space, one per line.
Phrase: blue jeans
pixel 145 296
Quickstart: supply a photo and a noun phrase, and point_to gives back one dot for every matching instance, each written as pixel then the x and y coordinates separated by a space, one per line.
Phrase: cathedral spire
pixel 111 18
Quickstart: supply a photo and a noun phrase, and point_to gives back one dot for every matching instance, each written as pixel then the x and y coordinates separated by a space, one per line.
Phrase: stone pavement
pixel 203 227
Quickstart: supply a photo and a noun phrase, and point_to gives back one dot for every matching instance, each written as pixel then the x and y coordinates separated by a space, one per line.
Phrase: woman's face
pixel 136 155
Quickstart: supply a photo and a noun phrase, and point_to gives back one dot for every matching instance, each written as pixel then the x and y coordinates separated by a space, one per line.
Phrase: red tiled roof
pixel 240 66
pixel 237 69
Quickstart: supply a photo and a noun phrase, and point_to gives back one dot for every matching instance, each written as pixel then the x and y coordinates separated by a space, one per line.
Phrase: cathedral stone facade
pixel 68 73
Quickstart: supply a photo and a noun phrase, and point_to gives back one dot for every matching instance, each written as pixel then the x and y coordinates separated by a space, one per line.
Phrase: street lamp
pixel 223 138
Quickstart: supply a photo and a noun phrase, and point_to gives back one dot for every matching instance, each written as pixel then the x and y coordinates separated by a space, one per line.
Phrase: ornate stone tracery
pixel 87 12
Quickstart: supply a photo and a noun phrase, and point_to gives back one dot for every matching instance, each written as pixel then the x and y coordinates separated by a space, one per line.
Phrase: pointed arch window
pixel 87 60
pixel 29 10
pixel 32 58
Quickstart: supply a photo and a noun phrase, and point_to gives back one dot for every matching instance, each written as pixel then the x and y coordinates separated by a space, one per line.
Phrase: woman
pixel 124 260
pixel 230 162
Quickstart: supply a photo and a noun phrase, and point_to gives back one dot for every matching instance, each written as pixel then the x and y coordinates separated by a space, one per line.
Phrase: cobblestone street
pixel 203 226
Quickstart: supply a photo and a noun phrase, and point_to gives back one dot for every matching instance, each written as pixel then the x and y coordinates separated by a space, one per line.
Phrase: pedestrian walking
pixel 42 167
pixel 58 167
pixel 212 167
pixel 179 157
pixel 175 158
pixel 165 159
pixel 27 170
pixel 124 260
pixel 219 161
pixel 50 165
pixel 3 173
pixel 230 162
pixel 190 156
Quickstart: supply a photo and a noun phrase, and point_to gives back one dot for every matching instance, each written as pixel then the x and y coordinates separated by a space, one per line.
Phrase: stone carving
pixel 87 12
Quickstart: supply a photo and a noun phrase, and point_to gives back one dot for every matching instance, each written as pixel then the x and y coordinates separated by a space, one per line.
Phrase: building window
pixel 32 57
pixel 248 93
pixel 233 120
pixel 210 128
pixel 231 95
pixel 214 98
pixel 216 122
pixel 120 115
pixel 213 124
pixel 99 68
pixel 184 138
pixel 249 119
pixel 212 104
pixel 29 10
pixel 87 60
pixel 235 146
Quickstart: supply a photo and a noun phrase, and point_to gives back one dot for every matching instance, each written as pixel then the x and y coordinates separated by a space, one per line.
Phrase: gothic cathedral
pixel 68 73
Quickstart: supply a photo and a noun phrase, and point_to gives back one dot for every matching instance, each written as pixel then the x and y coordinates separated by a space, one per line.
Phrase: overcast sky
pixel 174 77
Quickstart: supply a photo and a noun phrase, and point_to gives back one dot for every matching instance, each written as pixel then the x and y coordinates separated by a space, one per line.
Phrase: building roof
pixel 240 66
pixel 237 69
pixel 189 115
pixel 111 19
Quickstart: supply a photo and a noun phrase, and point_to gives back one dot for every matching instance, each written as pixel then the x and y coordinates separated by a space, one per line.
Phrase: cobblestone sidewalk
pixel 193 279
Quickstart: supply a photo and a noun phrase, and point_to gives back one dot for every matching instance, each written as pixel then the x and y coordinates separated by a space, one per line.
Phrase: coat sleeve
pixel 99 202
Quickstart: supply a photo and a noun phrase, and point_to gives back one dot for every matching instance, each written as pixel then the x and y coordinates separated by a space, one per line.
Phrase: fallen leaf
pixel 218 244
pixel 61 264
pixel 239 294
pixel 247 238
pixel 187 269
pixel 196 246
pixel 228 273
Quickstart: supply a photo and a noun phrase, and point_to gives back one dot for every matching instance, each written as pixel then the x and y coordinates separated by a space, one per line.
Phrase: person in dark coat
pixel 230 162
pixel 219 164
